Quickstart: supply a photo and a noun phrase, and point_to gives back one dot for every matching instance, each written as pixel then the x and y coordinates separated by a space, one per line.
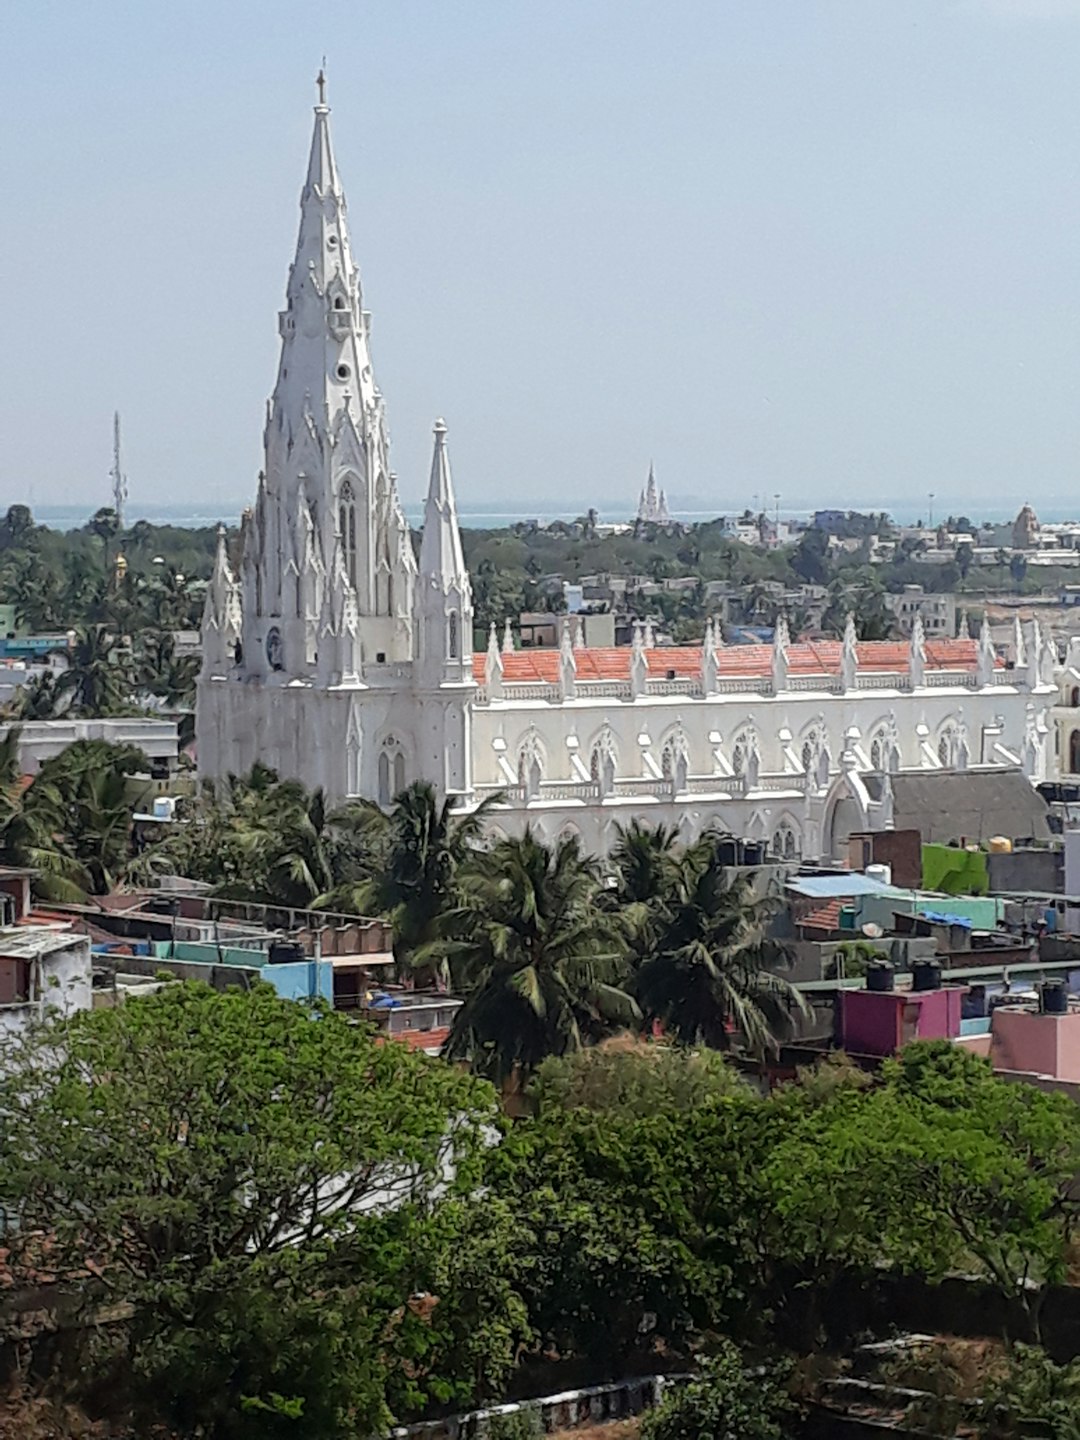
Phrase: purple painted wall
pixel 880 1022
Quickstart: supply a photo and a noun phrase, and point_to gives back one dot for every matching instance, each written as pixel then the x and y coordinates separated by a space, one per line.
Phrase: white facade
pixel 41 740
pixel 337 658
pixel 43 972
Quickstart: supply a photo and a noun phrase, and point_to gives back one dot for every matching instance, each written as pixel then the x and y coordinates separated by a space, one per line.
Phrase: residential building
pixel 44 970
pixel 937 612
pixel 41 740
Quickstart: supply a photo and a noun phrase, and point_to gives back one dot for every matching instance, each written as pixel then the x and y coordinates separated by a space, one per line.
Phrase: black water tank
pixel 926 975
pixel 285 952
pixel 727 850
pixel 879 976
pixel 754 852
pixel 1054 997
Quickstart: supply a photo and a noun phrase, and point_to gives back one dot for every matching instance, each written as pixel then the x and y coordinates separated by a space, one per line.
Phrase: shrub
pixel 722 1402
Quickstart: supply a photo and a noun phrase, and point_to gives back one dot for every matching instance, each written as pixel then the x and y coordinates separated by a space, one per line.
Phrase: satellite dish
pixel 872 930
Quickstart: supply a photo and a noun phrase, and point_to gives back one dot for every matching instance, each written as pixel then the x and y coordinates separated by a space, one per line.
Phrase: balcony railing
pixel 751 685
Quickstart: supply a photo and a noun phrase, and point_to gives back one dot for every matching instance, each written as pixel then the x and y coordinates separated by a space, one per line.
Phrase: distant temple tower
pixel 652 505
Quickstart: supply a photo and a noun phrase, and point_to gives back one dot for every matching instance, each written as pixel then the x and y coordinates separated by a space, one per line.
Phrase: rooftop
pixel 813 657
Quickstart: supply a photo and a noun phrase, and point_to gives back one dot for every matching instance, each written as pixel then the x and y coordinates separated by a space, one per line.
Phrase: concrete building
pixel 41 740
pixel 937 612
pixel 43 970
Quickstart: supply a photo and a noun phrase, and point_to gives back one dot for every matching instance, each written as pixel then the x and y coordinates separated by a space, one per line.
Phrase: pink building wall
pixel 874 1022
pixel 1039 1044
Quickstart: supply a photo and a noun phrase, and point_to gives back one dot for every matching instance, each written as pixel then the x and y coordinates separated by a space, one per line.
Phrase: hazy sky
pixel 829 248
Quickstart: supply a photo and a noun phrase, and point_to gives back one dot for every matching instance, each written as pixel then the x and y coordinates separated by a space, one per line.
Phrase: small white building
pixel 44 970
pixel 41 740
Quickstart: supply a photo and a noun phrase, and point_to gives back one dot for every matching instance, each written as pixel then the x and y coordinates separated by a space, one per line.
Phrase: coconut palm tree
pixel 711 978
pixel 42 698
pixel 421 846
pixel 262 839
pixel 72 823
pixel 541 962
pixel 645 860
pixel 98 677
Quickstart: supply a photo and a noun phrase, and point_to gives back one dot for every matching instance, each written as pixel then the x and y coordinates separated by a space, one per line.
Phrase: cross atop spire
pixel 320 83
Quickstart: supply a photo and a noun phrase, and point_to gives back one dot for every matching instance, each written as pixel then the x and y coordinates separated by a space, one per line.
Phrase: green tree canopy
pixel 266 1186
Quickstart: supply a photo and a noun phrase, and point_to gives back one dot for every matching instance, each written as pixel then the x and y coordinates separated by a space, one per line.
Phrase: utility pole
pixel 116 474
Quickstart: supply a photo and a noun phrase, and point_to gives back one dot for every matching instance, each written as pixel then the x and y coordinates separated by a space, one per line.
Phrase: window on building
pixel 739 752
pixel 785 843
pixel 392 776
pixel 347 529
pixel 452 635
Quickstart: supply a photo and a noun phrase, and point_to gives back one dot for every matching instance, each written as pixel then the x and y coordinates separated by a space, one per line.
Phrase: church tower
pixel 327 516
pixel 330 656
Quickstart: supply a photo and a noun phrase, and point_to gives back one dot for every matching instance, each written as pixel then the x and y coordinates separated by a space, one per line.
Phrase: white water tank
pixel 881 873
pixel 164 807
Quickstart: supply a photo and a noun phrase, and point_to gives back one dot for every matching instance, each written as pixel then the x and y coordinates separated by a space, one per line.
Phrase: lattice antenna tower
pixel 116 474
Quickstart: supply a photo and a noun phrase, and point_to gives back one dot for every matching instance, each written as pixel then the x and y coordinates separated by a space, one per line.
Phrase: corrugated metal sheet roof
pixel 825 887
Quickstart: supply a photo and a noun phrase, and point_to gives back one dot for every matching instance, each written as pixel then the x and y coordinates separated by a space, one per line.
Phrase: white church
pixel 339 658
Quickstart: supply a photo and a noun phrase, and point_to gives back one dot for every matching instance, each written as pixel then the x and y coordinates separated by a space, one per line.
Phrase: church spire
pixel 327 472
pixel 444 595
pixel 321 172
pixel 441 555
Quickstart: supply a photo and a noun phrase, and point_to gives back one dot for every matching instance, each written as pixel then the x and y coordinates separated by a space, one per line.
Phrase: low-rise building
pixel 41 740
pixel 43 970
pixel 937 612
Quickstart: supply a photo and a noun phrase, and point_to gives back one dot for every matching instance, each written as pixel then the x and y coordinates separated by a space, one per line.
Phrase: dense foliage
pixel 259 1185
pixel 723 1402
pixel 73 822
pixel 306 1231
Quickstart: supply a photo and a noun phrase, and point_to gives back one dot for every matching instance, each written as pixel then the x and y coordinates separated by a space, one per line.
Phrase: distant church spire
pixel 653 505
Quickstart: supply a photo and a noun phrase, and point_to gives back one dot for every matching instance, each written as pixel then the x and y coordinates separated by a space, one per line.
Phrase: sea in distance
pixel 490 516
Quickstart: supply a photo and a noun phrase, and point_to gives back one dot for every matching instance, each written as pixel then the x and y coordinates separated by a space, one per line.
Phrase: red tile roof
pixel 806 657
pixel 825 917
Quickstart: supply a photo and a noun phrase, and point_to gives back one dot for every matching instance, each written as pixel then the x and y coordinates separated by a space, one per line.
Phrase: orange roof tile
pixel 806 657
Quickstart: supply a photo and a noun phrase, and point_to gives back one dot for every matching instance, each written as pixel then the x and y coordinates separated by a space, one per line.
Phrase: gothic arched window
pixel 392 779
pixel 785 844
pixel 740 752
pixel 811 750
pixel 452 635
pixel 385 782
pixel 347 528
pixel 530 766
pixel 946 747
